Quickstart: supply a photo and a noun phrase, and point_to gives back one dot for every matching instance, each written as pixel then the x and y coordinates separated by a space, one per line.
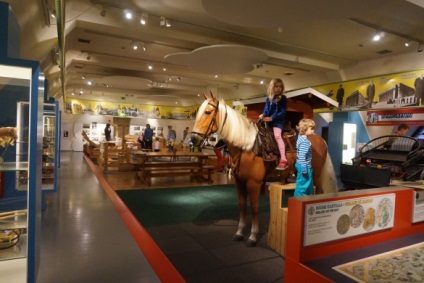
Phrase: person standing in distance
pixel 304 180
pixel 172 137
pixel 108 132
pixel 274 113
pixel 339 96
pixel 148 137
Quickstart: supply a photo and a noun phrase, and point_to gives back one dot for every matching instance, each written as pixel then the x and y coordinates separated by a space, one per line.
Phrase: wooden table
pixel 181 163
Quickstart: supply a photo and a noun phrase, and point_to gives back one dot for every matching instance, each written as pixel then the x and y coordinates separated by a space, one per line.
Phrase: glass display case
pixel 20 200
pixel 49 147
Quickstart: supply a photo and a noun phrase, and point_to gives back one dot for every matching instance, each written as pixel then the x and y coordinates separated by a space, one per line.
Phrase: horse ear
pixel 206 98
pixel 212 96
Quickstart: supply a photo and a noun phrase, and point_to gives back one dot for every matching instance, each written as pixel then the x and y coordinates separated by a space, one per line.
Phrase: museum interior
pixel 133 147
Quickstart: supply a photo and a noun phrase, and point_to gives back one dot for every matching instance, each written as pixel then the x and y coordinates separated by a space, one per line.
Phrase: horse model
pixel 248 169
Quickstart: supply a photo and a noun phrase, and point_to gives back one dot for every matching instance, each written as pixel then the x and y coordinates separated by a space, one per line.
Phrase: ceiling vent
pixel 385 51
pixel 82 40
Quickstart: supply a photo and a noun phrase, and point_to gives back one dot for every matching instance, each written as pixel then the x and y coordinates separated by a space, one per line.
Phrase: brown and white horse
pixel 248 169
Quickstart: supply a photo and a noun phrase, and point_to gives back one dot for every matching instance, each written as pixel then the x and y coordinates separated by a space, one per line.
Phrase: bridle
pixel 213 122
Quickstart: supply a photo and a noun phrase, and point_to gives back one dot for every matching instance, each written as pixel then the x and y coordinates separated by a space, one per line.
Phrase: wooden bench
pixel 165 169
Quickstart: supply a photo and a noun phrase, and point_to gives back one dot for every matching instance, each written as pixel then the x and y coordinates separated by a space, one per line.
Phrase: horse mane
pixel 233 127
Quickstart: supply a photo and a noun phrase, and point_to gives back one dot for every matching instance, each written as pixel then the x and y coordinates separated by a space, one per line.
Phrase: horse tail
pixel 328 177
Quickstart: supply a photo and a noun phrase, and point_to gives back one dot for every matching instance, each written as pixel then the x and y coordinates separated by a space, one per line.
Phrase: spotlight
pixel 83 77
pixel 167 23
pixel 420 47
pixel 376 37
pixel 407 43
pixel 150 67
pixel 134 45
pixel 128 15
pixel 162 21
pixel 53 13
pixel 144 16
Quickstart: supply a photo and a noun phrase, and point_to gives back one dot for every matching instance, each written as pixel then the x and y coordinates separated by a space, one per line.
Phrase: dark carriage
pixel 382 160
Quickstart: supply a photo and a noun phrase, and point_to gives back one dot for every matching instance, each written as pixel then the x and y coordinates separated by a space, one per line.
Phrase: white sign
pixel 418 206
pixel 329 221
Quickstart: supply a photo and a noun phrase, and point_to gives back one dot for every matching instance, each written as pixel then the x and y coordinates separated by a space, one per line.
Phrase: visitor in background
pixel 402 130
pixel 274 113
pixel 140 140
pixel 148 137
pixel 218 145
pixel 156 145
pixel 108 132
pixel 304 180
pixel 185 133
pixel 172 137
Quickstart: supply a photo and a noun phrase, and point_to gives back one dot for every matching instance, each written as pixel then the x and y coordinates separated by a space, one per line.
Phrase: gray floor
pixel 85 240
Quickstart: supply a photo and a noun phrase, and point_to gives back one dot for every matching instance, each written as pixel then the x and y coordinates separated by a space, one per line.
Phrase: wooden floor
pixel 129 180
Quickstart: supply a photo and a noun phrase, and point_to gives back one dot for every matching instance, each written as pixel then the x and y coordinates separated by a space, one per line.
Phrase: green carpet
pixel 159 207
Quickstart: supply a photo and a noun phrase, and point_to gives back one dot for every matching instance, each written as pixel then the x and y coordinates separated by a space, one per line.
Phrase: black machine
pixel 384 159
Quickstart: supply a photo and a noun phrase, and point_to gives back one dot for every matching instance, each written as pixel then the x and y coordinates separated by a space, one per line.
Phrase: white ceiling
pixel 228 47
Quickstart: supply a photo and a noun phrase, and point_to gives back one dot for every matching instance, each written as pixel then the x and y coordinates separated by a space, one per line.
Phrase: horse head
pixel 207 119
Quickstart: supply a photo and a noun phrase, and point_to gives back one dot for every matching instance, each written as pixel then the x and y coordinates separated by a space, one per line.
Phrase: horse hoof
pixel 238 238
pixel 251 243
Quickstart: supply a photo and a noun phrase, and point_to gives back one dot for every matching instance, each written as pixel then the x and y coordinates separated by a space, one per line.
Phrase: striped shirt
pixel 304 152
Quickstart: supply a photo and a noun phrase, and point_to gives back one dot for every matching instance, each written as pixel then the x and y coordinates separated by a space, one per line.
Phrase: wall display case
pixel 49 147
pixel 20 203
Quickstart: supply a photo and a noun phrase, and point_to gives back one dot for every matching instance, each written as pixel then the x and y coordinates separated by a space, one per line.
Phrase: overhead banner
pixel 411 117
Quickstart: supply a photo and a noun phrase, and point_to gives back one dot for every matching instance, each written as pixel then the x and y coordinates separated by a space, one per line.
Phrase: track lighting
pixel 134 45
pixel 167 23
pixel 83 77
pixel 53 13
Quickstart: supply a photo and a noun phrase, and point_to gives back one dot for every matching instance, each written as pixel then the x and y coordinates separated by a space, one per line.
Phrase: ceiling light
pixel 164 69
pixel 134 45
pixel 89 83
pixel 167 23
pixel 377 36
pixel 83 77
pixel 150 67
pixel 128 15
pixel 407 43
pixel 143 19
pixel 162 21
pixel 53 13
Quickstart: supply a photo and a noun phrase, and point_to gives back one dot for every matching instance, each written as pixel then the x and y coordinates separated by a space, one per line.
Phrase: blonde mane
pixel 232 126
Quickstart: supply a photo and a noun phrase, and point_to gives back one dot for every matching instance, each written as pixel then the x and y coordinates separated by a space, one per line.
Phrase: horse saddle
pixel 265 144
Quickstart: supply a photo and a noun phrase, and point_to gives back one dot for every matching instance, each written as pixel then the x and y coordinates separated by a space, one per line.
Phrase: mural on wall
pixel 383 92
pixel 81 106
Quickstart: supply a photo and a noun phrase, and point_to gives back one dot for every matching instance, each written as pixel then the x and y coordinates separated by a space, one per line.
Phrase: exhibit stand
pixel 322 228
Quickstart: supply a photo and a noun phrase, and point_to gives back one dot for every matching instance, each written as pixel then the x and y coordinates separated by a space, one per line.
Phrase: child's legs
pixel 304 183
pixel 281 145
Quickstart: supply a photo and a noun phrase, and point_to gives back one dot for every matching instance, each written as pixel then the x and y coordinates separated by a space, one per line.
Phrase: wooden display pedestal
pixel 278 217
pixel 331 238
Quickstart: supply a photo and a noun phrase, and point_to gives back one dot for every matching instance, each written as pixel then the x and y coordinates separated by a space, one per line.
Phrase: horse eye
pixel 208 112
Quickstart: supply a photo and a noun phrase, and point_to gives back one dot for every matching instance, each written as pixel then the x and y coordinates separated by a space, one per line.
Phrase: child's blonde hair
pixel 271 85
pixel 304 125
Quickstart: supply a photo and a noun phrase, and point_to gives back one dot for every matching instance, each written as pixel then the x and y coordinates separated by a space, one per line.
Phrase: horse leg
pixel 242 197
pixel 254 189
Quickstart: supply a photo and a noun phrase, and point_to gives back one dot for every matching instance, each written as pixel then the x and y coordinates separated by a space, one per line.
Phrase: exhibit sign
pixel 418 206
pixel 329 221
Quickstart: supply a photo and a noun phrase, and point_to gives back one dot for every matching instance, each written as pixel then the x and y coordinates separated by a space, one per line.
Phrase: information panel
pixel 329 221
pixel 418 206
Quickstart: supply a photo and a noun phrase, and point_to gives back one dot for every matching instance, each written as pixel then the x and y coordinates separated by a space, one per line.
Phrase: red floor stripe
pixel 164 269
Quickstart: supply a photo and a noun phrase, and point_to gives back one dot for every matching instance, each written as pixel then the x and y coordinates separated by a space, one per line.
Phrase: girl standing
pixel 274 113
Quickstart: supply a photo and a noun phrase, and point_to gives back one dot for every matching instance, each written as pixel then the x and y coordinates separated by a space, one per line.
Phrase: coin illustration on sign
pixel 369 219
pixel 384 212
pixel 343 224
pixel 356 215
